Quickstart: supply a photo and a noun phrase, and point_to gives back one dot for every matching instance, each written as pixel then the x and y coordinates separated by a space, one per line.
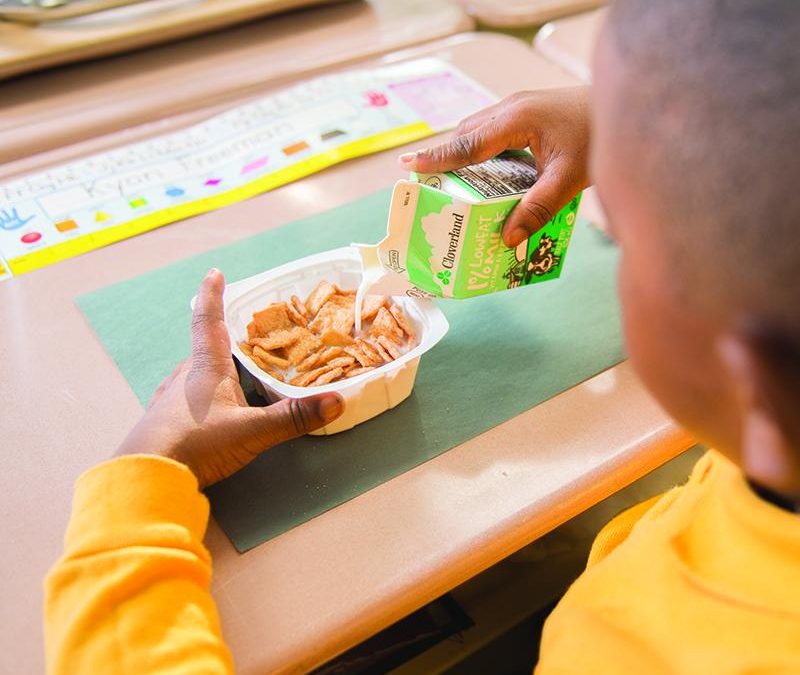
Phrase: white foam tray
pixel 365 395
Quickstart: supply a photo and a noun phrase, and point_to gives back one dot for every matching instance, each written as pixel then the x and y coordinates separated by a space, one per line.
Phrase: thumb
pixel 472 147
pixel 538 207
pixel 289 418
pixel 211 349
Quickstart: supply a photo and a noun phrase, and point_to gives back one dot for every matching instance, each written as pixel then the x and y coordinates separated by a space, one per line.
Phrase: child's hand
pixel 554 124
pixel 199 415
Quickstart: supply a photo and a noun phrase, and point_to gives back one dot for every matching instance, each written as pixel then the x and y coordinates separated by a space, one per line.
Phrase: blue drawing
pixel 11 220
pixel 175 192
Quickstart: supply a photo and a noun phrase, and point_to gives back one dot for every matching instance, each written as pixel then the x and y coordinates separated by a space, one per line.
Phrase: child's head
pixel 695 156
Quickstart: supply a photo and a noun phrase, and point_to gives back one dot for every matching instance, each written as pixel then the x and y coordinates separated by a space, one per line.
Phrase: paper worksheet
pixel 91 202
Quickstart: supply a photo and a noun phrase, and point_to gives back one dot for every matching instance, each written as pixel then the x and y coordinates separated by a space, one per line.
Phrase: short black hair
pixel 711 100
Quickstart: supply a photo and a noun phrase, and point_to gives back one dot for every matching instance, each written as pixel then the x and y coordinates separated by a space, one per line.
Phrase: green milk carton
pixel 443 235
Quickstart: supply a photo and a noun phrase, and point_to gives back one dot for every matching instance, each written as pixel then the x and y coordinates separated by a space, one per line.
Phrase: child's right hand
pixel 554 124
pixel 199 415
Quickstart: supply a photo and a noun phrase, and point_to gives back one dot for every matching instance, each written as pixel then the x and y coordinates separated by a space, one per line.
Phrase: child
pixel 694 109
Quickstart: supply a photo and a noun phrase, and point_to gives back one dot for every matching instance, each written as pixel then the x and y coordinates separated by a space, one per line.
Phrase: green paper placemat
pixel 504 354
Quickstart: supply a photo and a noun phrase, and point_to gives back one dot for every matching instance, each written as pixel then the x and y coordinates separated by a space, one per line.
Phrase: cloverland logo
pixel 444 277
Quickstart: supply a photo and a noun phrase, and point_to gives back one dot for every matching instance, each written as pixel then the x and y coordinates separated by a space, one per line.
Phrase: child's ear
pixel 764 368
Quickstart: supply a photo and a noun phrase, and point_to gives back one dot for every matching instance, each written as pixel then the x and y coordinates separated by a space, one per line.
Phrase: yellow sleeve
pixel 131 592
pixel 617 530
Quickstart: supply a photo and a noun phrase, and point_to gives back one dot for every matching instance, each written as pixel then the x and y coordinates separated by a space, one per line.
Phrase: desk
pixel 569 42
pixel 522 13
pixel 91 100
pixel 307 595
pixel 25 47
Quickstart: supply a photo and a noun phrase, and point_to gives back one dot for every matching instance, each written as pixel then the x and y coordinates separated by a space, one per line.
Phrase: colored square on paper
pixel 333 133
pixel 66 225
pixel 255 164
pixel 376 99
pixel 101 217
pixel 441 99
pixel 213 181
pixel 295 148
pixel 138 202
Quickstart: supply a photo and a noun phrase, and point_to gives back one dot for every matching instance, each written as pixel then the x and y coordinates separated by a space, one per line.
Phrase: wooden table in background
pixel 307 595
pixel 60 107
pixel 569 42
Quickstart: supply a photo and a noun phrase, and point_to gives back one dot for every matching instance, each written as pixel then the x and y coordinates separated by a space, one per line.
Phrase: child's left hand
pixel 199 416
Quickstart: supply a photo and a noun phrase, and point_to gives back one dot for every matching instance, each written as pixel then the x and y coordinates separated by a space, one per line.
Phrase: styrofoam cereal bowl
pixel 365 395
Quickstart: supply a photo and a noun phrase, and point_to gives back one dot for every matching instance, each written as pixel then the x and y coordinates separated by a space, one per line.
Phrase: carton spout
pixel 446 242
pixel 371 272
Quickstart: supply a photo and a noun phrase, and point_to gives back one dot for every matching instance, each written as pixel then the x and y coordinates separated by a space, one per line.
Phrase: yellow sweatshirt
pixel 705 579
pixel 131 592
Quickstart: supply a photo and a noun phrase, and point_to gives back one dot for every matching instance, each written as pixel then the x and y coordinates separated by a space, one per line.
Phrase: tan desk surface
pixel 569 42
pixel 520 13
pixel 301 598
pixel 51 109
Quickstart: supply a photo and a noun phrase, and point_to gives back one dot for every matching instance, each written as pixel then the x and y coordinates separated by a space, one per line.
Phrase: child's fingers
pixel 472 122
pixel 268 426
pixel 465 126
pixel 537 207
pixel 473 147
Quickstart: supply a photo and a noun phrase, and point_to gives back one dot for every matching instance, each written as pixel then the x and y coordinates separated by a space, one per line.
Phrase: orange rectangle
pixel 295 148
pixel 66 225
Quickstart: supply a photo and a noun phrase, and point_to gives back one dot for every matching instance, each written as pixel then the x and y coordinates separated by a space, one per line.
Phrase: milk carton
pixel 443 235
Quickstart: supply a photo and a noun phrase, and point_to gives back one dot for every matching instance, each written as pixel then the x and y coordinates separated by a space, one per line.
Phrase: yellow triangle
pixel 100 216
